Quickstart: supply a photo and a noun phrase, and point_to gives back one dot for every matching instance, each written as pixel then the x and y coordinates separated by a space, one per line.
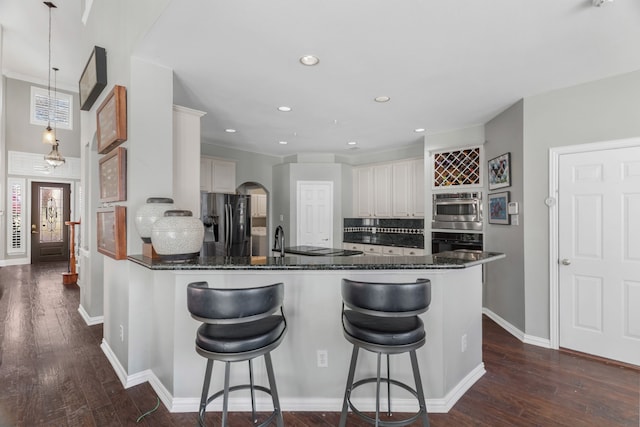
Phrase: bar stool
pixel 383 318
pixel 238 325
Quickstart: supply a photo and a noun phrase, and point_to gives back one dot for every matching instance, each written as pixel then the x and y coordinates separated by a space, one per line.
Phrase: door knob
pixel 33 229
pixel 565 262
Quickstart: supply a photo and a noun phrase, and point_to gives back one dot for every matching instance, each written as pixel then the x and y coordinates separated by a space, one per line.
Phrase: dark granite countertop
pixel 443 260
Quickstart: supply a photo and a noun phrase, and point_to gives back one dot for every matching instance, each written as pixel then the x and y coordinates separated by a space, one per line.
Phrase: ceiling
pixel 444 65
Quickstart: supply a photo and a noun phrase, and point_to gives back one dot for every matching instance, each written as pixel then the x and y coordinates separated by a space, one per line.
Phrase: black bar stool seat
pixel 238 325
pixel 383 318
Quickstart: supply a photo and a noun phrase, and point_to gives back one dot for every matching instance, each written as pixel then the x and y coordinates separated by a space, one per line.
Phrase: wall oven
pixel 457 211
pixel 443 241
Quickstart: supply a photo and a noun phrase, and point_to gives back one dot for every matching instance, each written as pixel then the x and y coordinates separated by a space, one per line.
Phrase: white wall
pixel 602 110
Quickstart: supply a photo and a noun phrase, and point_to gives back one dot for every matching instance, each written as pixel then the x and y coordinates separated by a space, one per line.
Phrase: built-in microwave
pixel 457 211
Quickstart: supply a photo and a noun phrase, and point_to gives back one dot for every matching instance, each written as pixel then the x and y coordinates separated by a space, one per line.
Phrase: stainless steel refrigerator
pixel 227 224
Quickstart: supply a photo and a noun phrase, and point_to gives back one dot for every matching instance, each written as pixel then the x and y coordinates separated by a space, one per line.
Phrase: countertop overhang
pixel 443 260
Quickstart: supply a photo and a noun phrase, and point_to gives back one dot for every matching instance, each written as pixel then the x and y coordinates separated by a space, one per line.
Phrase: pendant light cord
pixel 49 79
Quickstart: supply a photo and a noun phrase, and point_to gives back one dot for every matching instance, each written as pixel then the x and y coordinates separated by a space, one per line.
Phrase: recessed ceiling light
pixel 283 142
pixel 230 130
pixel 351 143
pixel 382 99
pixel 419 130
pixel 284 108
pixel 309 60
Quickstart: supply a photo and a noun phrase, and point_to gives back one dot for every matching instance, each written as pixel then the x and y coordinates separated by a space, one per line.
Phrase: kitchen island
pixel 160 333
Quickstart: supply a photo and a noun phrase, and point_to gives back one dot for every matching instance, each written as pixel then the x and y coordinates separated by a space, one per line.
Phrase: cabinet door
pixel 382 190
pixel 262 205
pixel 391 251
pixel 223 176
pixel 417 195
pixel 402 189
pixel 363 191
pixel 205 174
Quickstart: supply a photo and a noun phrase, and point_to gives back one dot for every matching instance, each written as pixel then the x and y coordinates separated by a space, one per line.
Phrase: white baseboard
pixel 525 338
pixel 13 261
pixel 90 321
pixel 191 404
pixel 537 341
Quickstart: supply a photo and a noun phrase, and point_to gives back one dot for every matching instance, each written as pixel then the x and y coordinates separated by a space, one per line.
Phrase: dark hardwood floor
pixel 53 373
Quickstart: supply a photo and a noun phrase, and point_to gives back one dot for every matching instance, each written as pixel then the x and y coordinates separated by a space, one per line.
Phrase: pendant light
pixel 49 135
pixel 54 158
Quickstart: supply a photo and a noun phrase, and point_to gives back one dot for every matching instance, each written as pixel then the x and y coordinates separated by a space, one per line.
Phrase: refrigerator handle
pixel 230 227
pixel 227 229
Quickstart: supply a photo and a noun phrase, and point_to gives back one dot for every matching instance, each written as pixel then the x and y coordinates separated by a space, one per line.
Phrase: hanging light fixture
pixel 49 135
pixel 54 158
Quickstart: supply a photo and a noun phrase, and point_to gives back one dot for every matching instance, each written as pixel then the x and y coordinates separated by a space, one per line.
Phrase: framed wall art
pixel 112 120
pixel 499 170
pixel 112 171
pixel 94 78
pixel 498 203
pixel 112 232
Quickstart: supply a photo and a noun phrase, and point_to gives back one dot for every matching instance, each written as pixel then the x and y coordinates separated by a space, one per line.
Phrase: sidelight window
pixel 16 217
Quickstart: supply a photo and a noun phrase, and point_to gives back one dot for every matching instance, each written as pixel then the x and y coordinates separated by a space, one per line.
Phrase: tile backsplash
pixel 402 232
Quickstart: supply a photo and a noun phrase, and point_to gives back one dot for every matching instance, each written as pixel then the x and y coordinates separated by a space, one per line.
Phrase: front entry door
pixel 50 208
pixel 599 253
pixel 315 213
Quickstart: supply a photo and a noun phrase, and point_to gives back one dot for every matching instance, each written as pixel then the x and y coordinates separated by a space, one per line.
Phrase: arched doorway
pixel 259 216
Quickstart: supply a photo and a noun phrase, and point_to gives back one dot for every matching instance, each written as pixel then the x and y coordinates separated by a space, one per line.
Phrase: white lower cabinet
pixel 372 249
pixel 383 250
pixel 353 246
pixel 391 251
pixel 412 252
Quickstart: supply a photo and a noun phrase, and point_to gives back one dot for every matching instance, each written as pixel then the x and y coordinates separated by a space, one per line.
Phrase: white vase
pixel 177 235
pixel 149 213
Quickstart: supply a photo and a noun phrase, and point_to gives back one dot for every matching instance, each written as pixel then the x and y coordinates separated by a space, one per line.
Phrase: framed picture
pixel 94 78
pixel 498 208
pixel 500 171
pixel 112 232
pixel 112 172
pixel 112 120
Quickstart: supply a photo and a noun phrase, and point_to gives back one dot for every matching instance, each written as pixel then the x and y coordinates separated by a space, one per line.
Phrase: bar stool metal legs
pixel 418 393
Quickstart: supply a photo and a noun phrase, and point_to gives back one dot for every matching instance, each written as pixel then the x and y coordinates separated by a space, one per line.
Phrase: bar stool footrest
pixel 263 389
pixel 382 423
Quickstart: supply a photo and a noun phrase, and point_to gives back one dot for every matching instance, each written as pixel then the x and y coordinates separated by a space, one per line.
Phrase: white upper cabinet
pixel 258 205
pixel 389 190
pixel 363 191
pixel 217 175
pixel 382 190
pixel 417 185
pixel 402 189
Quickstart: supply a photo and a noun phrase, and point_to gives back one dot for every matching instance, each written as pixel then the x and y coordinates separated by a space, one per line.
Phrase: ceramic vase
pixel 177 235
pixel 149 213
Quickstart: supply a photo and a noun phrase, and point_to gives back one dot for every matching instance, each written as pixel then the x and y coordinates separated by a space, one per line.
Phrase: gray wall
pixel 250 167
pixel 21 135
pixel 286 177
pixel 602 110
pixel 504 281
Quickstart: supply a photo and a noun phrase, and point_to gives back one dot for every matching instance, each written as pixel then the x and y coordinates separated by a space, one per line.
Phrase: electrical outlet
pixel 121 333
pixel 323 358
pixel 463 343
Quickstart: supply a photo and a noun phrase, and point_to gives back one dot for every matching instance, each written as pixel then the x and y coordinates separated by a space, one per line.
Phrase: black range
pixel 319 251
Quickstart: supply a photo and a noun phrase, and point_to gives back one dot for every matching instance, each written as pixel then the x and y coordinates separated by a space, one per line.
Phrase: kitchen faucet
pixel 278 243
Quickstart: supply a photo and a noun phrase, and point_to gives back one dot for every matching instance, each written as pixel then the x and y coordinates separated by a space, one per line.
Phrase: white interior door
pixel 315 213
pixel 599 253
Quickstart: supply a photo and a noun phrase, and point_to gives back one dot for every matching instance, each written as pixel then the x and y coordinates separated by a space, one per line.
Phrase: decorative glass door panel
pixel 50 208
pixel 51 214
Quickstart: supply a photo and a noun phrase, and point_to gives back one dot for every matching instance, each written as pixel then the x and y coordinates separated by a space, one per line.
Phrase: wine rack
pixel 454 168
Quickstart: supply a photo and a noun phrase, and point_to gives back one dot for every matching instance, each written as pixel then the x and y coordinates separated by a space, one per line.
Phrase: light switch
pixel 512 208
